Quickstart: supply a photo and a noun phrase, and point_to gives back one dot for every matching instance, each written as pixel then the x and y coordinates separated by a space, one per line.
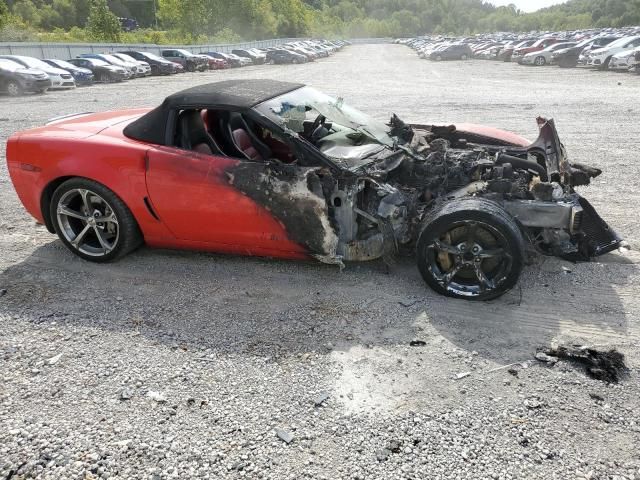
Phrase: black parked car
pixel 82 76
pixel 190 61
pixel 456 51
pixel 568 57
pixel 159 65
pixel 16 79
pixel 102 71
pixel 282 55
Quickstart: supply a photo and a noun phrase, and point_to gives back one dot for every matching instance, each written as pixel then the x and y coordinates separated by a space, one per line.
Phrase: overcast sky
pixel 528 5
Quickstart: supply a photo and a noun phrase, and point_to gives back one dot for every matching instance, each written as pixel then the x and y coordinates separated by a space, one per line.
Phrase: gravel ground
pixel 189 365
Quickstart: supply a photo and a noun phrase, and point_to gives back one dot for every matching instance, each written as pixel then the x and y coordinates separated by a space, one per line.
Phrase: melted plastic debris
pixel 606 366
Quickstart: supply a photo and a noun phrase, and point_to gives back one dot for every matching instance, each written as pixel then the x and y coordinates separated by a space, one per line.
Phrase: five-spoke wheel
pixel 92 221
pixel 471 249
pixel 87 222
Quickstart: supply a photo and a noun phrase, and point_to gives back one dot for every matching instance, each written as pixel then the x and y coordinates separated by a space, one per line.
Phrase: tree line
pixel 195 21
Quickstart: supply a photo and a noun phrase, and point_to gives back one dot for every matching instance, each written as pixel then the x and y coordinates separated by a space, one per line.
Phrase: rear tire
pixel 93 222
pixel 540 61
pixel 14 89
pixel 470 249
pixel 438 58
pixel 463 57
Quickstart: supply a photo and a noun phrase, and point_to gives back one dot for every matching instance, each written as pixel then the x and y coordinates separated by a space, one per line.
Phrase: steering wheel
pixel 318 124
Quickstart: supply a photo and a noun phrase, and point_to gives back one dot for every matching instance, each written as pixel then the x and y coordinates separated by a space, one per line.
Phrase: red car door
pixel 193 195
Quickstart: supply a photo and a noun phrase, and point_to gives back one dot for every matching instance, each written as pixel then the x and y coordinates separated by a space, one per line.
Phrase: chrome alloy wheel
pixel 88 222
pixel 470 259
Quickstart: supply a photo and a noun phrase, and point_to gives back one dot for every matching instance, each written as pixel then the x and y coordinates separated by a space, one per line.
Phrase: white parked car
pixel 143 69
pixel 602 56
pixel 624 60
pixel 543 57
pixel 59 78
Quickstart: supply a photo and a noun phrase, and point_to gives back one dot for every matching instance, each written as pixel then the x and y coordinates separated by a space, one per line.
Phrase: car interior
pixel 230 134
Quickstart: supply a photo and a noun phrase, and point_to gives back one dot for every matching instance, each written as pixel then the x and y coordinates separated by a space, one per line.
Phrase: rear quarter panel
pixel 54 153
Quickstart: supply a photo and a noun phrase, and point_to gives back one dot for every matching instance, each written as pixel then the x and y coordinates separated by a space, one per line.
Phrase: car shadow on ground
pixel 266 307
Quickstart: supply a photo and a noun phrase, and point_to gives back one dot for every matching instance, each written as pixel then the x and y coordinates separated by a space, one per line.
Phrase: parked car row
pixel 22 74
pixel 615 49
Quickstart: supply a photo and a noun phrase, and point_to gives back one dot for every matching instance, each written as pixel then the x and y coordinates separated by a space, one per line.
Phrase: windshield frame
pixel 334 110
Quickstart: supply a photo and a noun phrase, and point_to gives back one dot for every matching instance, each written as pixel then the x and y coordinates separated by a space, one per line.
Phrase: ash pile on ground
pixel 607 366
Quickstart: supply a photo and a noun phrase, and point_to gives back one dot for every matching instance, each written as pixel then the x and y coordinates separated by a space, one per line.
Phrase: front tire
pixel 471 249
pixel 93 222
pixel 540 61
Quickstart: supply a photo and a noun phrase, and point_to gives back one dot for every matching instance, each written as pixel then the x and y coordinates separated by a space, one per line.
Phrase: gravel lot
pixel 183 365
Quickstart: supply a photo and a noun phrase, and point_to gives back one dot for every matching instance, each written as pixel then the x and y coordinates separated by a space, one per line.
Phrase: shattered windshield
pixel 292 110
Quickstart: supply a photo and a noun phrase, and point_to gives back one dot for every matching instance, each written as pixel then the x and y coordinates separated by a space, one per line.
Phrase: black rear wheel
pixel 471 249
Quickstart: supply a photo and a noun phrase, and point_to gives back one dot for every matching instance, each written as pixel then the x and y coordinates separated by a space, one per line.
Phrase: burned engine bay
pixel 381 184
pixel 379 207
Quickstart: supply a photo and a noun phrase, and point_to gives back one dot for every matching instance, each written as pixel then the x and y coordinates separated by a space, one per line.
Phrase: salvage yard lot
pixel 182 365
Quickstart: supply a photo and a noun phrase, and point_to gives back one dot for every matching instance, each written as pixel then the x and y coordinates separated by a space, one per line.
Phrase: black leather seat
pixel 193 134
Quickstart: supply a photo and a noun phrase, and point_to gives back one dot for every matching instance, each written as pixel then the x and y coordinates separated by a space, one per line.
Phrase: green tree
pixel 27 11
pixel 102 24
pixel 4 13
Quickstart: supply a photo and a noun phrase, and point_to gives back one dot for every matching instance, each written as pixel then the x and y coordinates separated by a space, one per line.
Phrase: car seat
pixel 245 139
pixel 193 134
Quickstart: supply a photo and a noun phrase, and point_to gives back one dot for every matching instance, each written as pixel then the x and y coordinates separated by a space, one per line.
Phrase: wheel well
pixel 45 201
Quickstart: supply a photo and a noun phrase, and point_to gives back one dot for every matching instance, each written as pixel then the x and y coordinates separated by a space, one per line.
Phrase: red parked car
pixel 216 63
pixel 260 167
pixel 534 47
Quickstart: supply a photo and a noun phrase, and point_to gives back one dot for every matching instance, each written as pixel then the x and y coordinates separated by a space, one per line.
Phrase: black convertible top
pixel 233 94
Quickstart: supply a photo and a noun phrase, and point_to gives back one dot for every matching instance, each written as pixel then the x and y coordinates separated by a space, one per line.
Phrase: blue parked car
pixel 82 76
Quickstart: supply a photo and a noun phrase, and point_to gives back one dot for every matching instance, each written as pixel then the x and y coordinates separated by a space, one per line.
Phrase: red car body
pixel 536 47
pixel 230 222
pixel 217 63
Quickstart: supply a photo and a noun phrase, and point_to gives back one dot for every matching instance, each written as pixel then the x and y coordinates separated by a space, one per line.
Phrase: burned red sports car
pixel 261 167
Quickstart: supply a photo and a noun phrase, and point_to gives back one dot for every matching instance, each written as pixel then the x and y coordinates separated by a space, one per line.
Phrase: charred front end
pixel 380 208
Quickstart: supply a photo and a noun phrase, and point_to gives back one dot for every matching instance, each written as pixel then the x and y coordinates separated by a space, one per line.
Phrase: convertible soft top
pixel 232 94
